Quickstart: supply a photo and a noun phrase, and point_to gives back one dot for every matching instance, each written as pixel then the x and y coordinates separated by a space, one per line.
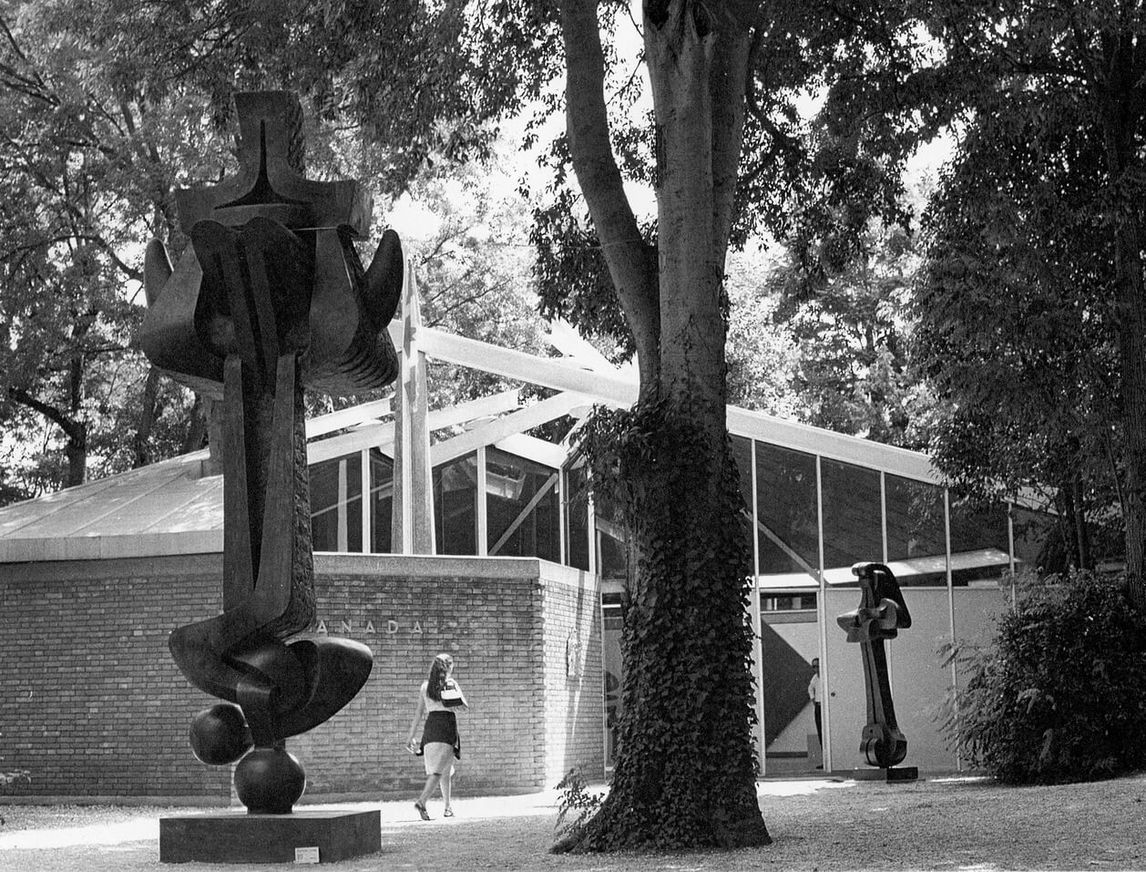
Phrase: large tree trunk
pixel 76 451
pixel 684 774
pixel 149 410
pixel 1122 109
pixel 1132 329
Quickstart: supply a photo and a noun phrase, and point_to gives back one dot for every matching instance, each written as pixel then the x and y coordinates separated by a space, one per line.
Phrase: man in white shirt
pixel 814 696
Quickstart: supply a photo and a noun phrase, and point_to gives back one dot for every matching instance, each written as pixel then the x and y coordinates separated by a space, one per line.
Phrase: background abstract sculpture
pixel 882 613
pixel 269 297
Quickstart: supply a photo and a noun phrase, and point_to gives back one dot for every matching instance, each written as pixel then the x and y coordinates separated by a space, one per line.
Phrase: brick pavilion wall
pixel 94 707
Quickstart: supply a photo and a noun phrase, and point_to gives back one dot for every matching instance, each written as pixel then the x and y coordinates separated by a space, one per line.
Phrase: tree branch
pixel 630 259
pixel 729 88
pixel 72 429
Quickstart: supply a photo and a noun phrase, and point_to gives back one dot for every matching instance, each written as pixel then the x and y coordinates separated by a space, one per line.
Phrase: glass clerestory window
pixel 528 506
pixel 336 504
pixel 522 505
pixel 576 507
pixel 522 508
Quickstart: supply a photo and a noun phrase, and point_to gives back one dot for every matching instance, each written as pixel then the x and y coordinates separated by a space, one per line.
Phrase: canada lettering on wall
pixel 389 628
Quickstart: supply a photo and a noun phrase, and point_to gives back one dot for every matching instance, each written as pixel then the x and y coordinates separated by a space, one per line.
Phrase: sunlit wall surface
pixel 816 516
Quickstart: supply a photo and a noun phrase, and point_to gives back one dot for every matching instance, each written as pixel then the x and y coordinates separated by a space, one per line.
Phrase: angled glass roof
pixel 173 507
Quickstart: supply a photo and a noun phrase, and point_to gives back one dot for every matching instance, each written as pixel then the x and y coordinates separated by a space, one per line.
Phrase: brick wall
pixel 90 700
pixel 93 705
pixel 574 681
pixel 497 619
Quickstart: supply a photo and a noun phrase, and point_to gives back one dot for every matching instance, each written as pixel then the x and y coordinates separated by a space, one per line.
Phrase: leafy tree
pixel 83 179
pixel 724 156
pixel 762 355
pixel 474 269
pixel 684 769
pixel 111 105
pixel 1083 66
pixel 852 332
pixel 981 68
pixel 1016 324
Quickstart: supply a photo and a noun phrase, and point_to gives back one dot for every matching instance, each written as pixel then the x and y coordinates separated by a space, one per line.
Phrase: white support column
pixel 413 524
pixel 342 510
pixel 754 612
pixel 822 623
pixel 562 490
pixel 883 513
pixel 950 598
pixel 367 501
pixel 884 559
pixel 481 504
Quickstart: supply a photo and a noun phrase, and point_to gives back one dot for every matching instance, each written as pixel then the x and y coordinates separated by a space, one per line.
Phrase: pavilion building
pixel 456 530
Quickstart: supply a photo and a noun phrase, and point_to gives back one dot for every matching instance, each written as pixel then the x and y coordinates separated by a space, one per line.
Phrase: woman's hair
pixel 437 681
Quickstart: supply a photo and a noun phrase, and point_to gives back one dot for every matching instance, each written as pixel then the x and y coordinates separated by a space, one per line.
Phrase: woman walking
pixel 439 698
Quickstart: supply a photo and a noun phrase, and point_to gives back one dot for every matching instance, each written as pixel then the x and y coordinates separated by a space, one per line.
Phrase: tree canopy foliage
pixel 1016 323
pixel 1032 310
pixel 473 264
pixel 110 106
pixel 85 180
pixel 1030 307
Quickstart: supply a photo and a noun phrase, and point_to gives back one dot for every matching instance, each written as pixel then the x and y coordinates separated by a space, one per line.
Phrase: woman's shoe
pixel 422 811
pixel 449 812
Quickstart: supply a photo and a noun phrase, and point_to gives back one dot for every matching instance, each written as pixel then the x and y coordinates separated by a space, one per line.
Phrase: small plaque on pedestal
pixel 890 774
pixel 239 837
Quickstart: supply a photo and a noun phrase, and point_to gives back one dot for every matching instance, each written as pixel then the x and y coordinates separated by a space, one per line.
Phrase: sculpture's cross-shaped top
pixel 337 310
pixel 271 180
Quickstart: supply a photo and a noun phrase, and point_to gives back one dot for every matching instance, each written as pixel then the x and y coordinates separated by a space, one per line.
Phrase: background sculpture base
pixel 239 837
pixel 894 773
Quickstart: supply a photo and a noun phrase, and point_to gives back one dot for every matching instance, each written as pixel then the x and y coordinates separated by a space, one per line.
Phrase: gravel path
pixel 968 825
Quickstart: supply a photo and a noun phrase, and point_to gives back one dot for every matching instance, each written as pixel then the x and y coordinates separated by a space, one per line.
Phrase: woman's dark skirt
pixel 441 727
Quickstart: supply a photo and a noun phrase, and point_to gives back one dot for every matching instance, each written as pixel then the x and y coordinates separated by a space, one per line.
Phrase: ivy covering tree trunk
pixel 684 771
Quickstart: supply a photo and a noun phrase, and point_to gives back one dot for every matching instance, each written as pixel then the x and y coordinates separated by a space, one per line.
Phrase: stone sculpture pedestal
pixel 239 837
pixel 890 774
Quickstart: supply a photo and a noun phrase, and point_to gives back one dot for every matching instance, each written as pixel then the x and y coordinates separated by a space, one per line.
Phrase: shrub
pixel 1060 695
pixel 575 808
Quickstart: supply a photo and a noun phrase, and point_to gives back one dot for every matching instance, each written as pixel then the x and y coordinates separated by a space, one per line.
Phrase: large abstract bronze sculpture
pixel 882 613
pixel 269 297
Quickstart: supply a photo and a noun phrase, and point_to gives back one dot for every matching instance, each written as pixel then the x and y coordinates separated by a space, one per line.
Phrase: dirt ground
pixel 965 824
